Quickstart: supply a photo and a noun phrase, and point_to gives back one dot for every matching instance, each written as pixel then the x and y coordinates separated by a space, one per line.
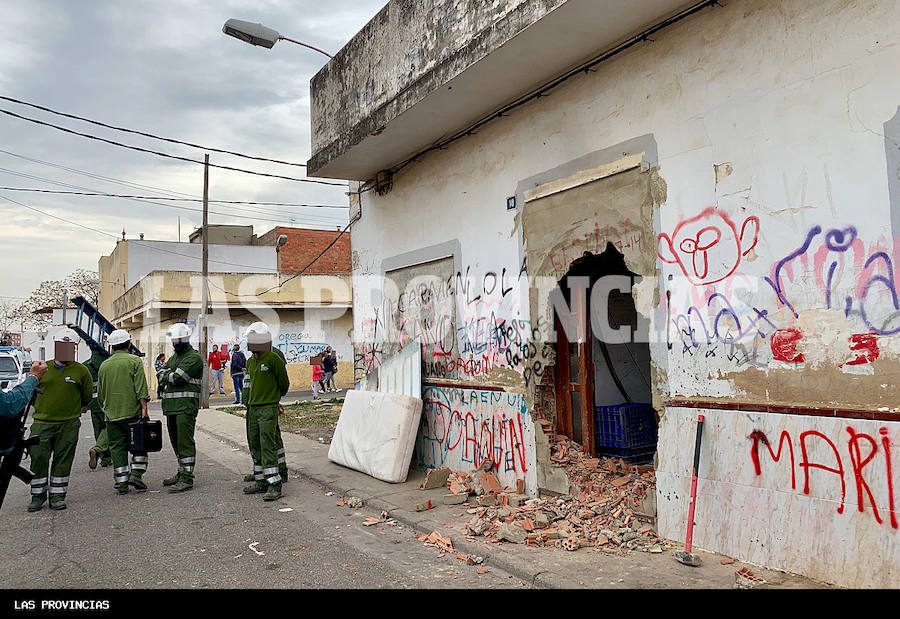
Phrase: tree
pixel 49 294
pixel 8 320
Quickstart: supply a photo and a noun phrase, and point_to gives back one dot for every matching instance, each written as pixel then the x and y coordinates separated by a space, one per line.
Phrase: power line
pixel 317 220
pixel 149 135
pixel 161 154
pixel 542 91
pixel 314 260
pixel 124 183
pixel 116 195
pixel 115 181
pixel 144 243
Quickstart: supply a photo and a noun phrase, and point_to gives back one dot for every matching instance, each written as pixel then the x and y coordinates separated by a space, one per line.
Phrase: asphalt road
pixel 202 538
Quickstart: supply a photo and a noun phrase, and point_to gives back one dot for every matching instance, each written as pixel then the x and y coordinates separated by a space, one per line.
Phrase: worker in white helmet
pixel 67 389
pixel 180 383
pixel 123 394
pixel 269 383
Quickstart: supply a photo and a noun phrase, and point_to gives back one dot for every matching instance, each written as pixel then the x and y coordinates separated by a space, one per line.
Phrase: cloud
pixel 164 68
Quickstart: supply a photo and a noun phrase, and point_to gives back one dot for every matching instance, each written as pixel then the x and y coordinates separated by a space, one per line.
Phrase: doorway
pixel 603 391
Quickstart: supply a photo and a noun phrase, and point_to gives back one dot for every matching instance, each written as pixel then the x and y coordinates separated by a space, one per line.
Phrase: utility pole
pixel 204 331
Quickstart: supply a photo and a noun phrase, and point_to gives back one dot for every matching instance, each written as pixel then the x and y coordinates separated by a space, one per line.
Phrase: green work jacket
pixel 268 378
pixel 93 365
pixel 180 382
pixel 121 385
pixel 66 392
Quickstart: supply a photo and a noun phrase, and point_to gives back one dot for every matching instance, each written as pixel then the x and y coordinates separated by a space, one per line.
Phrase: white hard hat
pixel 259 328
pixel 179 331
pixel 66 335
pixel 119 336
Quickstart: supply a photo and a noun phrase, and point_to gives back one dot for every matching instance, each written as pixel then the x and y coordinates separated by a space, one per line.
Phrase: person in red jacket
pixel 317 380
pixel 216 371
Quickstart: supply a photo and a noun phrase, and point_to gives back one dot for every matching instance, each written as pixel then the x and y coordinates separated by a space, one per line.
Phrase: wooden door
pixel 575 380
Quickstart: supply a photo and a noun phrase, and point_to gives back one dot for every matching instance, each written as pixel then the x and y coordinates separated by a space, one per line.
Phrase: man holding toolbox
pixel 122 391
pixel 180 382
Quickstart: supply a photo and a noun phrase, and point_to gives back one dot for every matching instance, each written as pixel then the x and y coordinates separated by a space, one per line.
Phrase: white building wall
pixel 763 109
pixel 147 256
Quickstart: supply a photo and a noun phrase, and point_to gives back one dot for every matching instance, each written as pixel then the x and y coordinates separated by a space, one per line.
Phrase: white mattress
pixel 376 434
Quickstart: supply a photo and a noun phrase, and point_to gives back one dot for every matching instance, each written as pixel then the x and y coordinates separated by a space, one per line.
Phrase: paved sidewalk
pixel 543 567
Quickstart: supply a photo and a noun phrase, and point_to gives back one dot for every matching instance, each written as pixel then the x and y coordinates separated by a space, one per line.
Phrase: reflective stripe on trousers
pixel 39 485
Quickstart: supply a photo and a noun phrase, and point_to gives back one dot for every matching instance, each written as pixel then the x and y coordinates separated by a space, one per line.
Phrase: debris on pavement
pixel 603 509
pixel 355 502
pixel 438 540
pixel 252 547
pixel 435 478
pixel 745 579
pixel 422 507
pixel 286 509
pixel 329 494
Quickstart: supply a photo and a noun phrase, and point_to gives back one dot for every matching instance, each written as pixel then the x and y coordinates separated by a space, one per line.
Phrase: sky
pixel 164 68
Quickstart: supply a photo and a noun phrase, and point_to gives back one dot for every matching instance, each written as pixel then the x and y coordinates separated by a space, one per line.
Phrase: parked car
pixel 14 366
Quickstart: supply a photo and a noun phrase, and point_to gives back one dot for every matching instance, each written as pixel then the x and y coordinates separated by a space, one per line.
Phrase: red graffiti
pixel 760 437
pixel 867 345
pixel 886 443
pixel 858 462
pixel 784 346
pixel 806 464
pixel 708 247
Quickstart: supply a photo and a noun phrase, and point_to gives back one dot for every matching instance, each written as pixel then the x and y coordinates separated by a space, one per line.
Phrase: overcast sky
pixel 164 68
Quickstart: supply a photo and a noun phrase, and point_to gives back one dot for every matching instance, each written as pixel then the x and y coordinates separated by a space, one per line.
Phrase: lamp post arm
pixel 304 45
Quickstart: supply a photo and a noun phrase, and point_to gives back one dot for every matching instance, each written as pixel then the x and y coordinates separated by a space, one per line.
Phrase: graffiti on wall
pixel 830 269
pixel 461 428
pixel 858 461
pixel 708 248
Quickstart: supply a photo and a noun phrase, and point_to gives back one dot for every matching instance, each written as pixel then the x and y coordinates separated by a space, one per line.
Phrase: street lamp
pixel 257 34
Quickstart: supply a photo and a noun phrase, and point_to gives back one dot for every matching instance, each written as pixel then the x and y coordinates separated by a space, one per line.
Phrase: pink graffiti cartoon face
pixel 708 248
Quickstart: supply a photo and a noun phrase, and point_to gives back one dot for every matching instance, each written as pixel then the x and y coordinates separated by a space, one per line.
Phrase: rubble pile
pixel 601 511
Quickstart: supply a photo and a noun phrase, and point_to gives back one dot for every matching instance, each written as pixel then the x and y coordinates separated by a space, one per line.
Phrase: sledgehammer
pixel 686 556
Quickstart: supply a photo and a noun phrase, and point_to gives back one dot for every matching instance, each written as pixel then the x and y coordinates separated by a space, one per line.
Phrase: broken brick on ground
pixel 602 510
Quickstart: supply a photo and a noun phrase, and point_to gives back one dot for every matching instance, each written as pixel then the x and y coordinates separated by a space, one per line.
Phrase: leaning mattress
pixel 376 434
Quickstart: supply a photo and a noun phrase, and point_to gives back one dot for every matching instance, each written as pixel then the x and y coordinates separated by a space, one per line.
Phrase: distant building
pixel 149 285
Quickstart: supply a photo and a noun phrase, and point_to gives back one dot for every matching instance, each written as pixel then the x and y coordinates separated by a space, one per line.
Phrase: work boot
pixel 137 482
pixel 58 504
pixel 250 477
pixel 37 502
pixel 122 489
pixel 257 488
pixel 273 493
pixel 92 453
pixel 180 486
pixel 171 481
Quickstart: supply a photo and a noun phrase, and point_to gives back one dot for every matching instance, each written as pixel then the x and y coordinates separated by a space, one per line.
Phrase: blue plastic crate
pixel 632 455
pixel 625 426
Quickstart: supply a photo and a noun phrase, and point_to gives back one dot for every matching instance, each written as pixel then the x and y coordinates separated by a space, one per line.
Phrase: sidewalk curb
pixel 520 569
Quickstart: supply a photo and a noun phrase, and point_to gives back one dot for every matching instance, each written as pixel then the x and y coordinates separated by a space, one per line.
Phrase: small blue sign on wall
pixel 511 203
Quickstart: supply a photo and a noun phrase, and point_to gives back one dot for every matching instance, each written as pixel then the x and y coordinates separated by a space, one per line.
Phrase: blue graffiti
pixel 744 328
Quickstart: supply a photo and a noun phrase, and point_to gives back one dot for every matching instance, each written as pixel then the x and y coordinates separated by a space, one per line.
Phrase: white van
pixel 14 366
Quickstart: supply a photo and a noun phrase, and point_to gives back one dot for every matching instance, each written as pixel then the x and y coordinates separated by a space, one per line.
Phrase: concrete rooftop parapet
pixel 419 72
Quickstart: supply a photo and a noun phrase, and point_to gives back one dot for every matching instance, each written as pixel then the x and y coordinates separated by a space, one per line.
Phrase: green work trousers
pixel 263 436
pixel 59 441
pixel 282 462
pixel 98 419
pixel 118 451
pixel 181 433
